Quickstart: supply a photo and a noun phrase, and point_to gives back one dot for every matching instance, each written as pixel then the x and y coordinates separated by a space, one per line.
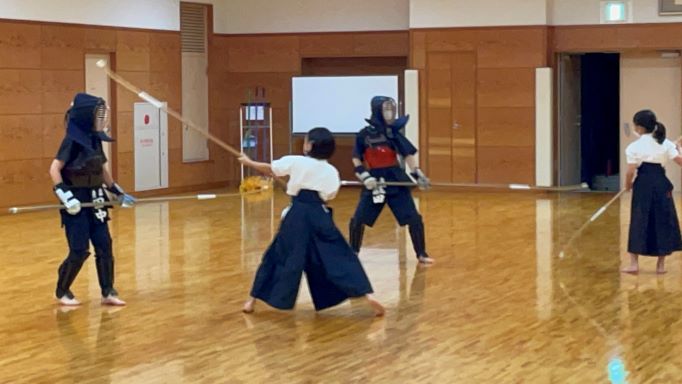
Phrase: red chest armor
pixel 381 156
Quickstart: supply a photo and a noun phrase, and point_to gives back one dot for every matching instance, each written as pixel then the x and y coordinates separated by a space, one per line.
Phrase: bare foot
pixel 661 271
pixel 660 265
pixel 633 269
pixel 249 305
pixel 376 306
pixel 426 260
pixel 113 300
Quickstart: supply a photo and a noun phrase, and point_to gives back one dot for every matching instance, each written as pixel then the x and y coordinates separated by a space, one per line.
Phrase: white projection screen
pixel 338 103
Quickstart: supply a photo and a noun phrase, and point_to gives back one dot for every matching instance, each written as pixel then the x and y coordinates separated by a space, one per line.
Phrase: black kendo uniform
pixel 378 145
pixel 84 159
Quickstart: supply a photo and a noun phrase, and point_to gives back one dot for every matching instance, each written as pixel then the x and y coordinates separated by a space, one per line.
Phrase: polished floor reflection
pixel 500 305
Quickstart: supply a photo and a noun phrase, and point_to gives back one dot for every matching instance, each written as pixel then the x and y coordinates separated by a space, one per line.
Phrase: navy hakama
pixel 308 241
pixel 654 227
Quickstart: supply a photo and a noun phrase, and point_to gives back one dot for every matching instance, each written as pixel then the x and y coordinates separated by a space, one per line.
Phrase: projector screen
pixel 338 103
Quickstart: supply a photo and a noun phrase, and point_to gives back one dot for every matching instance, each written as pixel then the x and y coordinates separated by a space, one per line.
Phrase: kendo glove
pixel 71 204
pixel 367 179
pixel 125 199
pixel 422 181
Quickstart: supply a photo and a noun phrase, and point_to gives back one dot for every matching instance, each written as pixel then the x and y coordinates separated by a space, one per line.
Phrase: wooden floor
pixel 500 305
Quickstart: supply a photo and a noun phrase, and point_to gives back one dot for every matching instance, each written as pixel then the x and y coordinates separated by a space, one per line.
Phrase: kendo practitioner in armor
pixel 379 147
pixel 79 176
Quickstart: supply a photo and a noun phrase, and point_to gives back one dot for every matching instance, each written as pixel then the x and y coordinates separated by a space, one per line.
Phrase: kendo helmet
pixel 90 115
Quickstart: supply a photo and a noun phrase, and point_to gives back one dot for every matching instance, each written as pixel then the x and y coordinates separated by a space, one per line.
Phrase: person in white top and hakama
pixel 308 240
pixel 654 227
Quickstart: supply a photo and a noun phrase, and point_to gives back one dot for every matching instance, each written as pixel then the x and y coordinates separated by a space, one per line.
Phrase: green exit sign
pixel 616 12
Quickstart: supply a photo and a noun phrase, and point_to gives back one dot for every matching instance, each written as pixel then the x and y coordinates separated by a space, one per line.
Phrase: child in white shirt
pixel 654 227
pixel 308 240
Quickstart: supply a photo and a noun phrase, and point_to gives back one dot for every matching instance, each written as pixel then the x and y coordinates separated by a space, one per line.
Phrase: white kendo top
pixel 308 173
pixel 647 150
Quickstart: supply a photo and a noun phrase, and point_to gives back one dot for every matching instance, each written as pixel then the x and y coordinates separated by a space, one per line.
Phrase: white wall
pixel 577 12
pixel 280 16
pixel 474 13
pixel 146 14
pixel 229 16
pixel 649 81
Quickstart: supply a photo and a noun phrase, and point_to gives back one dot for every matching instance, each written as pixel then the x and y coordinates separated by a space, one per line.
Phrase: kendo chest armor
pixel 85 171
pixel 379 152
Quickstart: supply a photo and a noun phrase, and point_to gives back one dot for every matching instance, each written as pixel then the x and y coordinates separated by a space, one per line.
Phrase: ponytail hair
pixel 659 133
pixel 647 120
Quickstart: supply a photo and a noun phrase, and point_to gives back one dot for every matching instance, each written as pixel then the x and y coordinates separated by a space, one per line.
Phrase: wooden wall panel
pixel 510 127
pixel 19 137
pixel 381 44
pixel 25 181
pixel 53 130
pixel 451 40
pixel 267 54
pixel 20 45
pixel 186 174
pixel 439 110
pixel 660 36
pixel 418 49
pixel 165 53
pixel 225 167
pixel 133 51
pixel 63 47
pixel 327 45
pixel 124 133
pixel 218 56
pixel 508 87
pixel 357 44
pixel 167 86
pixel 20 91
pixel 220 122
pixel 358 66
pixel 506 58
pixel 599 38
pixel 174 134
pixel 280 135
pixel 515 48
pixel 223 115
pixel 506 164
pixel 463 124
pixel 464 159
pixel 100 40
pixel 218 86
pixel 126 169
pixel 59 88
pixel 583 38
